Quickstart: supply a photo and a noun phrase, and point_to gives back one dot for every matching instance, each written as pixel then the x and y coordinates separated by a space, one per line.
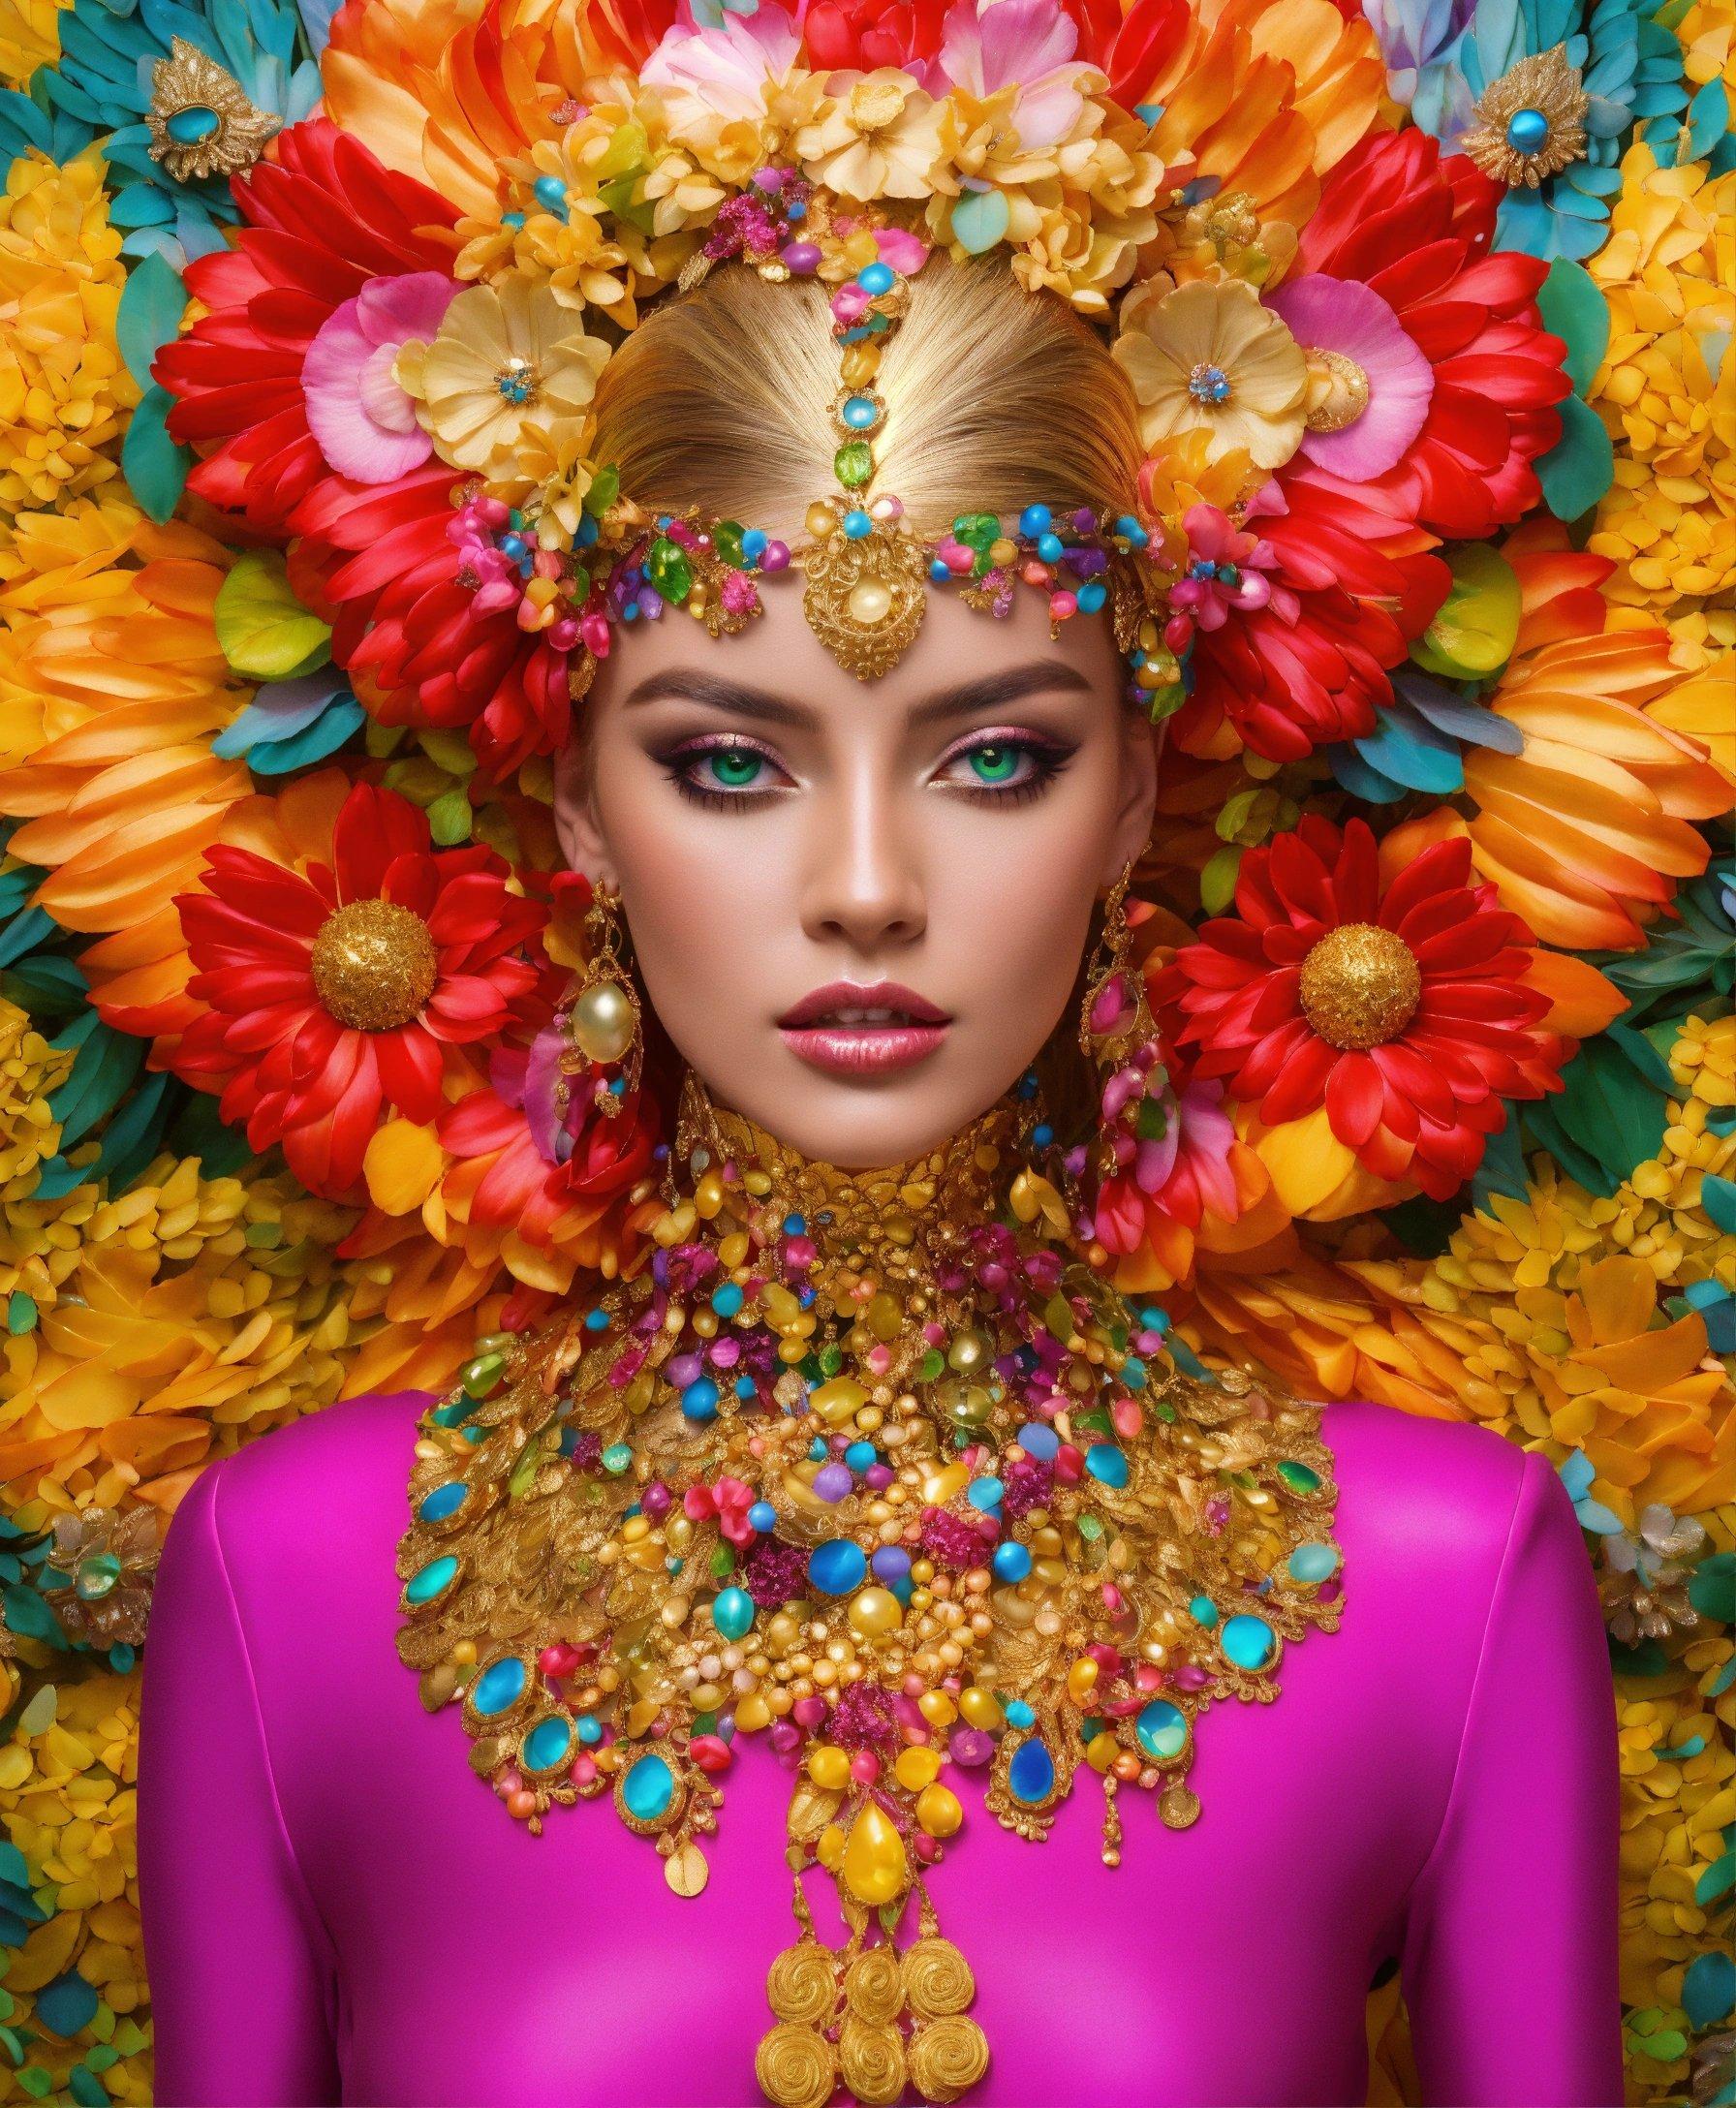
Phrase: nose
pixel 864 883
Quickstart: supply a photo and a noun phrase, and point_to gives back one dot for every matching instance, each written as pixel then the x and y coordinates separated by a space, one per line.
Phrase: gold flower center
pixel 518 382
pixel 374 964
pixel 1337 391
pixel 1360 986
pixel 874 104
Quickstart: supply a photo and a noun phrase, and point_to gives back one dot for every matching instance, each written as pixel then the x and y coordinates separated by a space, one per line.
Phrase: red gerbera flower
pixel 343 988
pixel 1404 1012
pixel 379 565
pixel 321 219
pixel 859 35
pixel 1416 229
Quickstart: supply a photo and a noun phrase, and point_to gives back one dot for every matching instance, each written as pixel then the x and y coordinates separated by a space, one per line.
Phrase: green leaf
pixel 1474 632
pixel 1575 308
pixel 1712 1588
pixel 149 315
pixel 1719 1877
pixel 1579 468
pixel 1218 880
pixel 154 466
pixel 264 632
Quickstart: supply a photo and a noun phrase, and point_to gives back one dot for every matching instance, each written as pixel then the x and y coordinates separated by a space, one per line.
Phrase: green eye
pixel 994 763
pixel 736 768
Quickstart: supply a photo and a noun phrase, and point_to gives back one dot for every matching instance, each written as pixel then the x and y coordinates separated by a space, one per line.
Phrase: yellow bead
pixel 860 362
pixel 938 1810
pixel 1081 1680
pixel 829 1768
pixel 969 1351
pixel 602 1022
pixel 869 603
pixel 874 1611
pixel 751 1713
pixel 829 1851
pixel 708 1196
pixel 915 1769
pixel 837 1402
pixel 885 1317
pixel 945 1484
pixel 876 1870
pixel 1101 1751
pixel 861 248
pixel 820 520
pixel 1002 552
pixel 981 1708
pixel 936 1709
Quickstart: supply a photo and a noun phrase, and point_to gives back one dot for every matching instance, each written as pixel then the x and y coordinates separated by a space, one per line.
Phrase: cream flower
pixel 1209 358
pixel 510 360
pixel 878 137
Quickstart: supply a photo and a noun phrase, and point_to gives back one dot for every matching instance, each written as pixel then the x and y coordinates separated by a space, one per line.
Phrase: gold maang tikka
pixel 603 1026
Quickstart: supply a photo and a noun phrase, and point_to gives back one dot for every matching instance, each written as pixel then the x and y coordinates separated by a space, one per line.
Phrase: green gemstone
pixel 931 1365
pixel 853 463
pixel 1298 1477
pixel 482 1374
pixel 726 539
pixel 618 1457
pixel 831 1358
pixel 669 570
pixel 97 1576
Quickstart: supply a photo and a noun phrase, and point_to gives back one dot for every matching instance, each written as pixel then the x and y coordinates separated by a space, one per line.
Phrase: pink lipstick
pixel 863 1028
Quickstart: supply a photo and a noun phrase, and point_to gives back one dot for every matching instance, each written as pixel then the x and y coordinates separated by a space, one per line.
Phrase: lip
pixel 821 1030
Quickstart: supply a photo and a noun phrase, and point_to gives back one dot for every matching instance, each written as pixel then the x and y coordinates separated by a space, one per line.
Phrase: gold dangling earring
pixel 1114 1018
pixel 602 1023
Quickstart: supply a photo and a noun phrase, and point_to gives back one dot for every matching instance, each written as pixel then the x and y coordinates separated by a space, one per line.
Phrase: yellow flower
pixel 1209 358
pixel 29 38
pixel 1703 643
pixel 1672 538
pixel 1707 34
pixel 876 135
pixel 63 387
pixel 508 357
pixel 1078 252
pixel 30 1069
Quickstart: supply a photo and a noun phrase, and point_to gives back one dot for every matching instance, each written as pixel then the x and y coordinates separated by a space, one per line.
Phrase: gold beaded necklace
pixel 874 1464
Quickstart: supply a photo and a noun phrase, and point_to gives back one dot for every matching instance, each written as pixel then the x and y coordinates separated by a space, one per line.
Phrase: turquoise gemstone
pixel 861 413
pixel 1298 1477
pixel 733 1613
pixel 428 1581
pixel 499 1688
pixel 618 1457
pixel 1162 1731
pixel 547 1742
pixel 1019 1713
pixel 1313 1562
pixel 648 1789
pixel 444 1502
pixel 1527 131
pixel 1031 1775
pixel 984 1493
pixel 1106 1464
pixel 187 127
pixel 837 1566
pixel 1203 1611
pixel 1249 1642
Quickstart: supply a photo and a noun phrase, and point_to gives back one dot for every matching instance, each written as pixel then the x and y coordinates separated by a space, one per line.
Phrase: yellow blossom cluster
pixel 67 1803
pixel 29 38
pixel 1707 34
pixel 63 387
pixel 30 1071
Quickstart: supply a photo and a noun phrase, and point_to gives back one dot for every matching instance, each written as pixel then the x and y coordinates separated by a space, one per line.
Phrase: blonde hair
pixel 996 398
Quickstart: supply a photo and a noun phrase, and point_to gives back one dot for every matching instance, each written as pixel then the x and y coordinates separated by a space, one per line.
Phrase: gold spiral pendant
pixel 797 2066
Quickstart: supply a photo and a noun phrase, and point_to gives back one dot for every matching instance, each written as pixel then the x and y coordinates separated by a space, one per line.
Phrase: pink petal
pixel 1339 315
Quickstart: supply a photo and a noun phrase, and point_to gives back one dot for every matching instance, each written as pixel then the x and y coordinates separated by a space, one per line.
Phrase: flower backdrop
pixel 1437 916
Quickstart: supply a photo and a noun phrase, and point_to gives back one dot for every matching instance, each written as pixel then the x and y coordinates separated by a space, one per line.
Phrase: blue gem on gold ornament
pixel 499 1688
pixel 547 1745
pixel 1313 1562
pixel 837 1566
pixel 431 1581
pixel 443 1502
pixel 1249 1642
pixel 1162 1731
pixel 1031 1775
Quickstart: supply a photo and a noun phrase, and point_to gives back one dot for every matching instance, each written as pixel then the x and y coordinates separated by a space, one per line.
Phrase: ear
pixel 577 826
pixel 1137 807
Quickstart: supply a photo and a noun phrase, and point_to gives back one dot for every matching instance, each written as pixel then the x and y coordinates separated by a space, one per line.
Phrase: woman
pixel 867 1500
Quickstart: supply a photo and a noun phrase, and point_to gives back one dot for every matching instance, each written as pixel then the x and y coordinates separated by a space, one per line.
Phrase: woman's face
pixel 858 908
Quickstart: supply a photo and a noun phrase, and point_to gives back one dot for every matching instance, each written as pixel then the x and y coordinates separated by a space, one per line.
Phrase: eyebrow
pixel 989 691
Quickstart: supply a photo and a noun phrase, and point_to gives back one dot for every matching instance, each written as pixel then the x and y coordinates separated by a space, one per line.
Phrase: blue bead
pixel 892 1564
pixel 860 1456
pixel 1011 1562
pixel 1154 1318
pixel 596 1320
pixel 1249 1642
pixel 1312 1563
pixel 875 278
pixel 1162 1731
pixel 1037 1438
pixel 514 546
pixel 1106 1464
pixel 444 1502
pixel 700 1400
pixel 550 192
pixel 589 1729
pixel 762 1517
pixel 428 1581
pixel 1131 531
pixel 937 572
pixel 1527 131
pixel 754 544
pixel 547 1742
pixel 744 1386
pixel 618 1457
pixel 1031 1775
pixel 984 1493
pixel 861 413
pixel 837 1566
pixel 1132 1373
pixel 733 1613
pixel 589 528
pixel 795 1226
pixel 796 209
pixel 727 1298
pixel 514 220
pixel 857 524
pixel 1051 548
pixel 648 1789
pixel 1019 1713
pixel 1035 520
pixel 1043 1134
pixel 819 1450
pixel 500 1686
pixel 1091 596
pixel 1203 1611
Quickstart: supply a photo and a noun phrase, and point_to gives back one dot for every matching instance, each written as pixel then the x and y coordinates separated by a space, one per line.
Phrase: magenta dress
pixel 337 1909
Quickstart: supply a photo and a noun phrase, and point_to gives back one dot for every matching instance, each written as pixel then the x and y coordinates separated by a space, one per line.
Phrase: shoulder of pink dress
pixel 1410 1484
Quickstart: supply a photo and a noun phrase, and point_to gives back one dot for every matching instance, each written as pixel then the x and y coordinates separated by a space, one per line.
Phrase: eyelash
pixel 1047 758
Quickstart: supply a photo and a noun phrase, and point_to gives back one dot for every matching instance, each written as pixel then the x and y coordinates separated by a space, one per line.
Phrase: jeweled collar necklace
pixel 874 1464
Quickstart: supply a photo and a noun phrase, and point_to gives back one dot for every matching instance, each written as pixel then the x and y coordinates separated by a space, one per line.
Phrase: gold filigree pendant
pixel 865 596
